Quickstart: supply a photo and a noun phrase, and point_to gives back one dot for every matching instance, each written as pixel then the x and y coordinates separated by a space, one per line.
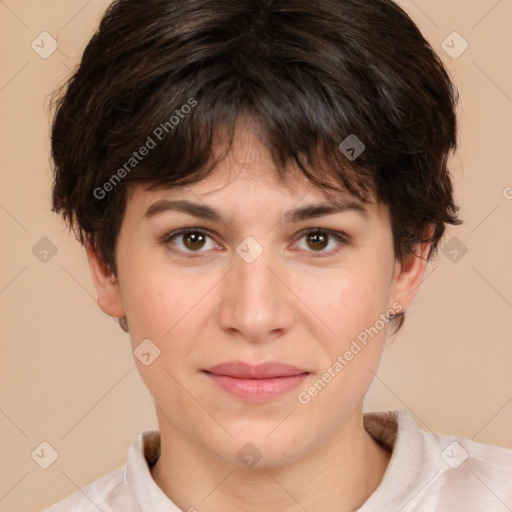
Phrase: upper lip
pixel 267 370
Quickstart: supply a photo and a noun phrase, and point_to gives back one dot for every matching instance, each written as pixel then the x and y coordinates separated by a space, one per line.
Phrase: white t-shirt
pixel 426 473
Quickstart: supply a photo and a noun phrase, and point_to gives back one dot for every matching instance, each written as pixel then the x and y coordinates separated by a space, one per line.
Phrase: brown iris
pixel 193 240
pixel 319 240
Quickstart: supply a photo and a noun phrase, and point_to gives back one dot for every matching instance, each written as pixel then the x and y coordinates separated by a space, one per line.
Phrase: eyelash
pixel 338 236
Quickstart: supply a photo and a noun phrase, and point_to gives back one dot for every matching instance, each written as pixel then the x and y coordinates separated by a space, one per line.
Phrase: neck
pixel 338 475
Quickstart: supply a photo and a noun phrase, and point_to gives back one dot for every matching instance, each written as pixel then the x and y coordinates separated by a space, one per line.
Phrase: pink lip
pixel 256 383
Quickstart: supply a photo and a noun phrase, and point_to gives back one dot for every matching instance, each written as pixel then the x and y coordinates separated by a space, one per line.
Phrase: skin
pixel 289 305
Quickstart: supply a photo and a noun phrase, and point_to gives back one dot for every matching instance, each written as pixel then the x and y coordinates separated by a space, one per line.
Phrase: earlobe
pixel 409 274
pixel 106 284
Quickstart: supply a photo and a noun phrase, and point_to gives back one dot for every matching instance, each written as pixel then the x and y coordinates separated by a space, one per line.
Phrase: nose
pixel 256 302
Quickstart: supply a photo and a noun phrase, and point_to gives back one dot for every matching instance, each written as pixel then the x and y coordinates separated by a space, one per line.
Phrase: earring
pixel 123 323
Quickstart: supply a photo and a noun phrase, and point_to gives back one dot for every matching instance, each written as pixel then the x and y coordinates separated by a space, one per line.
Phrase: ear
pixel 409 274
pixel 107 286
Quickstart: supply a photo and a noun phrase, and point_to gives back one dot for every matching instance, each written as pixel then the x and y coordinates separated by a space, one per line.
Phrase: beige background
pixel 66 371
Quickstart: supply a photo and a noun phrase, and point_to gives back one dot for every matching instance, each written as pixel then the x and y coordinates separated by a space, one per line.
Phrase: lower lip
pixel 257 390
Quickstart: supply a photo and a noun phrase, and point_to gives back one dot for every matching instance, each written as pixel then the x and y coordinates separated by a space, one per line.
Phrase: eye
pixel 318 240
pixel 192 240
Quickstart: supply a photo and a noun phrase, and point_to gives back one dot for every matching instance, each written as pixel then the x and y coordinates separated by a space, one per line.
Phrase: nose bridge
pixel 252 298
pixel 253 278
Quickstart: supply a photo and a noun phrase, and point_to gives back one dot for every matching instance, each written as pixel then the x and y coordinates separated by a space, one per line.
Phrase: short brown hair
pixel 310 73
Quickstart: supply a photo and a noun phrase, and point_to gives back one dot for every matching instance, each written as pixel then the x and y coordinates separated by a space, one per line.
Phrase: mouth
pixel 256 383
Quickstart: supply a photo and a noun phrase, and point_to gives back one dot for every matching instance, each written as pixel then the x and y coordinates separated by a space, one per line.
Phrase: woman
pixel 259 186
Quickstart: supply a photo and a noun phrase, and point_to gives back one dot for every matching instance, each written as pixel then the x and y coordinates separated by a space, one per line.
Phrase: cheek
pixel 151 298
pixel 351 307
pixel 156 305
pixel 166 303
pixel 344 302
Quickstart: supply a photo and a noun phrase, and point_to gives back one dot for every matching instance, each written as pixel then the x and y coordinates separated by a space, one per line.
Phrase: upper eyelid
pixel 209 232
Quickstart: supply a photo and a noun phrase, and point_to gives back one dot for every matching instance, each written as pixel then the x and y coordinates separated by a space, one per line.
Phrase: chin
pixel 256 448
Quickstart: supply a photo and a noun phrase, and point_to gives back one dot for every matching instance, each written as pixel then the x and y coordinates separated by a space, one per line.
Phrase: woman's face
pixel 256 288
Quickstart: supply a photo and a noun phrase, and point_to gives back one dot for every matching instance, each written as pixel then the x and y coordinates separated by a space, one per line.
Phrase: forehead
pixel 249 187
pixel 247 177
pixel 250 161
pixel 231 207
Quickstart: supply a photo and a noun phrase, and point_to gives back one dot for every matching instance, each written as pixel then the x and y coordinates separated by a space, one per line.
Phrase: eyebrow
pixel 203 211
